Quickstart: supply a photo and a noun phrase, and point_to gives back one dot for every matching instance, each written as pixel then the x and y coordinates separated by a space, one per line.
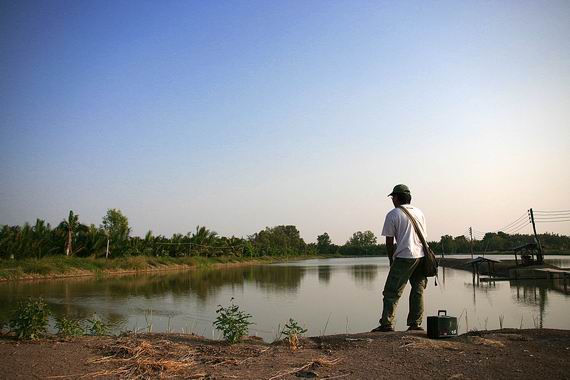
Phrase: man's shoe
pixel 383 329
pixel 415 328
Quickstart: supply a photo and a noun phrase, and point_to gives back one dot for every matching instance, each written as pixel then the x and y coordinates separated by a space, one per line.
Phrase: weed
pixel 68 327
pixel 536 321
pixel 148 320
pixel 98 327
pixel 326 325
pixel 292 331
pixel 232 322
pixel 31 319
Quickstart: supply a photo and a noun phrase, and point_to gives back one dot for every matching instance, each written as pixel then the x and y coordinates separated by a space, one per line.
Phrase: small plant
pixel 31 319
pixel 292 331
pixel 98 327
pixel 148 320
pixel 232 322
pixel 501 319
pixel 68 327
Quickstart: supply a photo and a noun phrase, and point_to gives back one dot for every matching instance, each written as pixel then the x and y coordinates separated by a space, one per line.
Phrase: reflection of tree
pixel 61 294
pixel 364 273
pixel 324 273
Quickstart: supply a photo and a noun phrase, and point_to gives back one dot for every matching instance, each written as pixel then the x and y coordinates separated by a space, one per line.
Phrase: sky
pixel 238 115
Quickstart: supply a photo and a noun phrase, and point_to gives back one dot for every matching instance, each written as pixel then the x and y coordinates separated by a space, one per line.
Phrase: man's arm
pixel 390 248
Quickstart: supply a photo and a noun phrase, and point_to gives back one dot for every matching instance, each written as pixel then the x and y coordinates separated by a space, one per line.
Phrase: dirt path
pixel 504 354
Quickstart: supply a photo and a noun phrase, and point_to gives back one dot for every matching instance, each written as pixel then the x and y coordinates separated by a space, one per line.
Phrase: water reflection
pixel 324 273
pixel 73 297
pixel 364 274
pixel 309 291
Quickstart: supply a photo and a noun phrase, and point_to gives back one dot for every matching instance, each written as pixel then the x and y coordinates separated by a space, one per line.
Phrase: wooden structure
pixel 476 266
pixel 529 253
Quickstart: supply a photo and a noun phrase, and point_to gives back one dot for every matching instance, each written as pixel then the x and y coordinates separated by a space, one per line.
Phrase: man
pixel 405 258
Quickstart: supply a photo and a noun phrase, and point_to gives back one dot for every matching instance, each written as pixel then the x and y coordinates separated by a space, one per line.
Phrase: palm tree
pixel 41 235
pixel 71 226
pixel 204 239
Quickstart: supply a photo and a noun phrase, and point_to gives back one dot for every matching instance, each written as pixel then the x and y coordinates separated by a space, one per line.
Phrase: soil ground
pixel 499 354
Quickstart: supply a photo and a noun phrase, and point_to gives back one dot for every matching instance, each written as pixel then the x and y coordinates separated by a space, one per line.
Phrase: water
pixel 326 296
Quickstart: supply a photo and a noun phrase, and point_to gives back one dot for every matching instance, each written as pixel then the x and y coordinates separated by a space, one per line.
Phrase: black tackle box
pixel 442 326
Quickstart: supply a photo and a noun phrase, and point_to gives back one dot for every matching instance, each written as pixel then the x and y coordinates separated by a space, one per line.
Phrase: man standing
pixel 405 258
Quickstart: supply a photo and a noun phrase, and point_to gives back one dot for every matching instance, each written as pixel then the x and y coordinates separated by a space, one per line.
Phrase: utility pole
pixel 471 234
pixel 107 251
pixel 540 256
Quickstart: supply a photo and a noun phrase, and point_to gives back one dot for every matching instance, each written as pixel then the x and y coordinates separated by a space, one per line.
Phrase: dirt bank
pixel 501 354
pixel 124 266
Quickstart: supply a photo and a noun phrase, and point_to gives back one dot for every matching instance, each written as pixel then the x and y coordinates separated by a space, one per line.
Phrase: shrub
pixel 98 327
pixel 68 327
pixel 232 322
pixel 292 331
pixel 31 319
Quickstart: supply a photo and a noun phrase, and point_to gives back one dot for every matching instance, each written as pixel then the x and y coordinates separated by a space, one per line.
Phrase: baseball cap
pixel 400 189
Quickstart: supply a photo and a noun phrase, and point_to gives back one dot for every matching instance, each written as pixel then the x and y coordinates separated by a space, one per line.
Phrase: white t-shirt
pixel 399 226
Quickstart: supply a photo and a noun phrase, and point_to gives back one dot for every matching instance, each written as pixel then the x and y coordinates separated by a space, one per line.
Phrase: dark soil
pixel 500 354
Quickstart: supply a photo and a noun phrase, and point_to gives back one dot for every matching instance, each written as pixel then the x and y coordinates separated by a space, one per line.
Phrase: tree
pixel 41 237
pixel 362 239
pixel 116 227
pixel 71 227
pixel 324 243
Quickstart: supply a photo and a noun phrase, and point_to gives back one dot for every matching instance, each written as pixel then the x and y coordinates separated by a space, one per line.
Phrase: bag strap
pixel 417 228
pixel 419 232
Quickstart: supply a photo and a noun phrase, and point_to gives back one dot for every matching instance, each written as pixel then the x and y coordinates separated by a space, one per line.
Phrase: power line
pixel 514 222
pixel 552 211
pixel 552 221
pixel 521 228
pixel 517 226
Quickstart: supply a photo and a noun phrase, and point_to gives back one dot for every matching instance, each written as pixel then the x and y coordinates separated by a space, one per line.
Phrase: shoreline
pixel 172 266
pixel 61 267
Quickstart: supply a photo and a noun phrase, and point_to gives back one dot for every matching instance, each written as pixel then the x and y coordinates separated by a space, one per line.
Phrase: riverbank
pixel 63 267
pixel 500 354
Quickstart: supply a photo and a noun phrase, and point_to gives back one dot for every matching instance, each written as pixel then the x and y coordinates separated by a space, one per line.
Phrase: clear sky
pixel 239 115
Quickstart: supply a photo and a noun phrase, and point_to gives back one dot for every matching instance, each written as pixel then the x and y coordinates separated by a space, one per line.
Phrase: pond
pixel 327 296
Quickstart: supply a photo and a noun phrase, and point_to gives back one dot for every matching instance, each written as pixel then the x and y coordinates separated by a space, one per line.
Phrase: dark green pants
pixel 401 271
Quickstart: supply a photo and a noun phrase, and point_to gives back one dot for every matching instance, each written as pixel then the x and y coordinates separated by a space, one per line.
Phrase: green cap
pixel 400 189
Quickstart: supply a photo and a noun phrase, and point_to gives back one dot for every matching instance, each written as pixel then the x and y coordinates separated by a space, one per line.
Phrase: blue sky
pixel 243 114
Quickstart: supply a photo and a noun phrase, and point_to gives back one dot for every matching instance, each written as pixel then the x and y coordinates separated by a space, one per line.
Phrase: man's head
pixel 401 195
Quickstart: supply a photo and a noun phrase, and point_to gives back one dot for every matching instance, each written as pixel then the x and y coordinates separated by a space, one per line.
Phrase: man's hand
pixel 390 248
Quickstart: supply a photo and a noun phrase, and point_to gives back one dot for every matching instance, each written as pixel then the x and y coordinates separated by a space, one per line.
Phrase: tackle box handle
pixel 440 312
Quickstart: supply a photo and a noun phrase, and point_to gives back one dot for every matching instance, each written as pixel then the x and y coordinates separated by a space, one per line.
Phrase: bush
pixel 98 327
pixel 31 319
pixel 68 327
pixel 292 331
pixel 232 322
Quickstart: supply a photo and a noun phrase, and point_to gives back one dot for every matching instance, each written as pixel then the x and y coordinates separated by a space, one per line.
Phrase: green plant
pixel 98 327
pixel 31 319
pixel 232 322
pixel 68 327
pixel 292 331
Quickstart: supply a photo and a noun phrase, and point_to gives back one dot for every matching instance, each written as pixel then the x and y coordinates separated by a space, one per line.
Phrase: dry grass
pixel 424 343
pixel 141 359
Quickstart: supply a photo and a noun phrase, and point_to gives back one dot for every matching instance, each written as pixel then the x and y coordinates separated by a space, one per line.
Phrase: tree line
pixel 112 238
